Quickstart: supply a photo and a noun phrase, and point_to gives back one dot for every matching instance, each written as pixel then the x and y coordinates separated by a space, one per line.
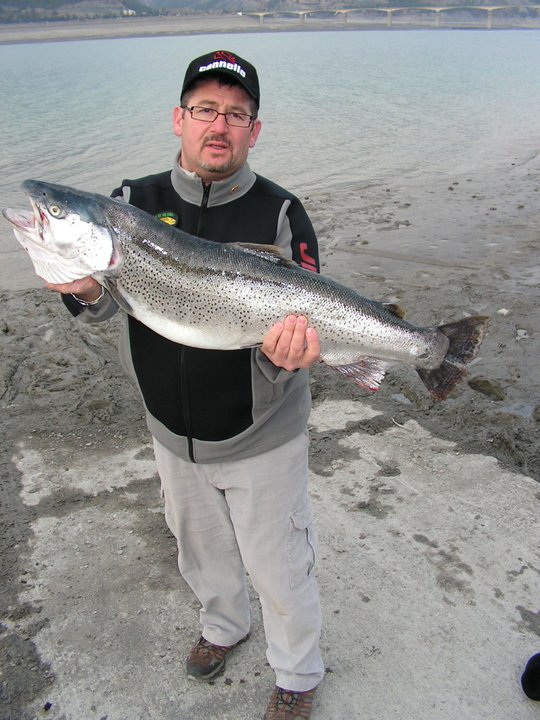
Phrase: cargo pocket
pixel 302 547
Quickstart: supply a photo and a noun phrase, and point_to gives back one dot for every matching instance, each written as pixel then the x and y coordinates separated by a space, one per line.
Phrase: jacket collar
pixel 190 186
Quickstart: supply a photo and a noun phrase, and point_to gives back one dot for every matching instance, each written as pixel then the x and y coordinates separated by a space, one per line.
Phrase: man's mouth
pixel 216 143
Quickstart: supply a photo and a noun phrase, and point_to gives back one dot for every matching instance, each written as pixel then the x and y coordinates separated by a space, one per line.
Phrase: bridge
pixel 390 12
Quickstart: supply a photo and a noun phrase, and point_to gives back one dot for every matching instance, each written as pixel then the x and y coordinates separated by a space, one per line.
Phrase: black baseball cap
pixel 226 63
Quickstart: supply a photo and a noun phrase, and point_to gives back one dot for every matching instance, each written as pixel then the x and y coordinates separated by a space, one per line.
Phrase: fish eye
pixel 55 210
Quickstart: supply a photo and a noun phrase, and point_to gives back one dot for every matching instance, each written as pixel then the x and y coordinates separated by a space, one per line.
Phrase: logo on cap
pixel 224 60
pixel 224 55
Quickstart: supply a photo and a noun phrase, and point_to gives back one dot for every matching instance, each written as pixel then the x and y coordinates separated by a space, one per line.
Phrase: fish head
pixel 66 234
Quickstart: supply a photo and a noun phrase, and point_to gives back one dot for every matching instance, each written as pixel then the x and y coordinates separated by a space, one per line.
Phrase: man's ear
pixel 178 117
pixel 255 130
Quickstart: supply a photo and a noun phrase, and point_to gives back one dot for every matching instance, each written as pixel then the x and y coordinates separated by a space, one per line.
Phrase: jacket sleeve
pixel 102 310
pixel 296 236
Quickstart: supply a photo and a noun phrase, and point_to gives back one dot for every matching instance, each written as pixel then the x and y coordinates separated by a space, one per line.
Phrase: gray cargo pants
pixel 250 515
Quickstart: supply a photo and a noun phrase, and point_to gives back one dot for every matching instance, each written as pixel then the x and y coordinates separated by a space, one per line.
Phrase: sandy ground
pixel 427 512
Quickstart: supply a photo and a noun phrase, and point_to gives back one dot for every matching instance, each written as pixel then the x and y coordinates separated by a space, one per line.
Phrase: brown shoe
pixel 288 705
pixel 206 660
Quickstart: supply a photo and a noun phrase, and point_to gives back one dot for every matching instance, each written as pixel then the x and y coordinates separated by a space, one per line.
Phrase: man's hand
pixel 86 289
pixel 292 344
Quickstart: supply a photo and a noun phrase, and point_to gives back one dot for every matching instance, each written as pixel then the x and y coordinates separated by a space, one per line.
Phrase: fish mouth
pixel 22 220
pixel 28 223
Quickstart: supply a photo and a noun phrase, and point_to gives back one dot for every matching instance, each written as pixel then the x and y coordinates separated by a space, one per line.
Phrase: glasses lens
pixel 238 119
pixel 204 114
pixel 209 115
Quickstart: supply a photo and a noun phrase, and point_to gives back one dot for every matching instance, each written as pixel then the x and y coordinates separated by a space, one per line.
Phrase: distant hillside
pixel 42 10
pixel 35 10
pixel 213 5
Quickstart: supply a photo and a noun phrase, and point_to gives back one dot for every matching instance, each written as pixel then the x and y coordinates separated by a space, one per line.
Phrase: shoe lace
pixel 205 649
pixel 286 699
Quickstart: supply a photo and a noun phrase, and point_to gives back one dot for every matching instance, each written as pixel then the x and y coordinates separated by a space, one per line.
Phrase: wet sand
pixel 427 512
pixel 125 27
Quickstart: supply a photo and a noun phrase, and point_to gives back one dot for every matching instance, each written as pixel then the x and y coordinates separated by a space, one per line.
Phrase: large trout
pixel 225 296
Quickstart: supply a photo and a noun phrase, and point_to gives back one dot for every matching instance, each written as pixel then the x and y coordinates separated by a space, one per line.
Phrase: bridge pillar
pixel 389 19
pixel 438 19
pixel 489 20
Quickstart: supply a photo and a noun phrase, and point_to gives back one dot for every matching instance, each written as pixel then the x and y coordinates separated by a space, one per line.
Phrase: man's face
pixel 215 150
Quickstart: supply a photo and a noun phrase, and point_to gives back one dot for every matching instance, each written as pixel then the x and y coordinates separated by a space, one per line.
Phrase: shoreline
pixel 163 26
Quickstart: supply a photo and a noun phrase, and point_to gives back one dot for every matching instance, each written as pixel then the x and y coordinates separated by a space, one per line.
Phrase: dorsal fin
pixel 269 252
pixel 396 310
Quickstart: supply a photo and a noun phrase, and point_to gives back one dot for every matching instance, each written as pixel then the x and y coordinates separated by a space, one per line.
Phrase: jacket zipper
pixel 204 205
pixel 184 401
pixel 183 351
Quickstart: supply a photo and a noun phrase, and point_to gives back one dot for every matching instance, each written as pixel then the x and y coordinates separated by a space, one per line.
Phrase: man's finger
pixel 271 338
pixel 297 343
pixel 286 337
pixel 313 347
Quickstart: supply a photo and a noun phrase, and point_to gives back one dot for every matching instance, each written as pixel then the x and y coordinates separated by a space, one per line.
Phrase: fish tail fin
pixel 465 337
pixel 441 381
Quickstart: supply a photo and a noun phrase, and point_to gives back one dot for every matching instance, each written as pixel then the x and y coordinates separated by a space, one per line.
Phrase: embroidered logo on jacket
pixel 306 261
pixel 169 218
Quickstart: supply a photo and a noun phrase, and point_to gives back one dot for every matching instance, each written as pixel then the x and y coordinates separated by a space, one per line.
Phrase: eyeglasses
pixel 208 115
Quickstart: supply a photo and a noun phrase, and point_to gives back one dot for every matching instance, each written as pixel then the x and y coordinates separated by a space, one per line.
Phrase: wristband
pixel 90 302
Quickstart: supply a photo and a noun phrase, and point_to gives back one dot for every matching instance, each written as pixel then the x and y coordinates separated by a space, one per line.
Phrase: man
pixel 229 428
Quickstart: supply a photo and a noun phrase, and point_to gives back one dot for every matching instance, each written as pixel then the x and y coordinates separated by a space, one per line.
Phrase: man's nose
pixel 220 124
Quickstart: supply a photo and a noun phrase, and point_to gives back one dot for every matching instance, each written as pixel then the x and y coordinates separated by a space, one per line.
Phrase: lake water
pixel 336 107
